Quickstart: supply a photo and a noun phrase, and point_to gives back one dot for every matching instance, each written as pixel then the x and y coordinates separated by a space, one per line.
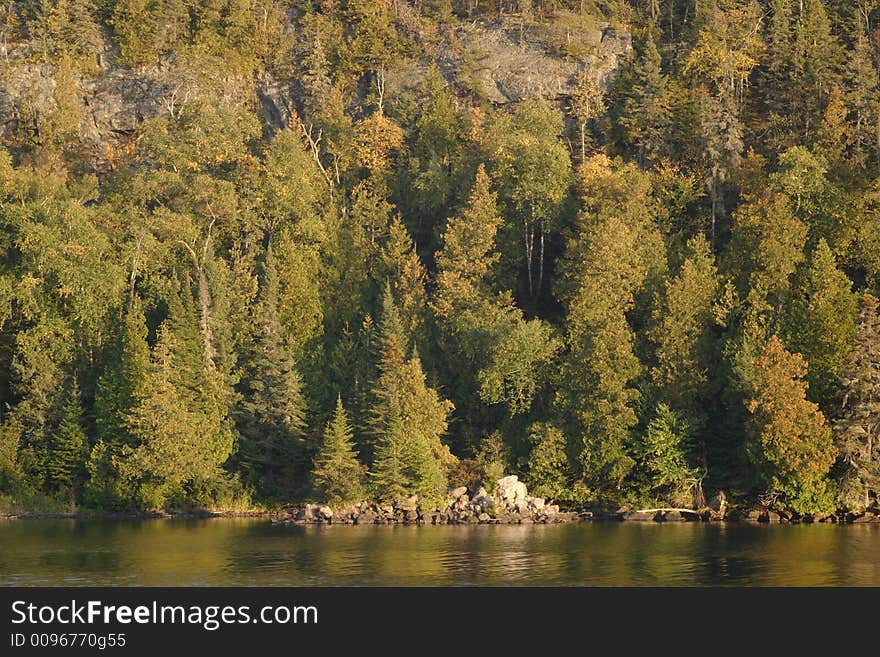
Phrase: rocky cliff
pixel 499 60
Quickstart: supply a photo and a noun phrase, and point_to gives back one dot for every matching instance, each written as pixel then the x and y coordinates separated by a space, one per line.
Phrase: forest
pixel 655 285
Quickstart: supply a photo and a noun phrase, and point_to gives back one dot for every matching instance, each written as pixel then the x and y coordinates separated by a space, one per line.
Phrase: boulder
pixel 639 516
pixel 365 517
pixel 484 517
pixel 455 493
pixel 409 504
pixel 718 504
pixel 865 517
pixel 673 516
pixel 536 503
pixel 510 489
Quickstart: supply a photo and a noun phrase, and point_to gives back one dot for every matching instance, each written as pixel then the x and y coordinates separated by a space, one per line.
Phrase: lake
pixel 230 552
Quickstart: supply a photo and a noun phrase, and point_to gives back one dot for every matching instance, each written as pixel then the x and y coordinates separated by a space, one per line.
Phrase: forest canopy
pixel 655 284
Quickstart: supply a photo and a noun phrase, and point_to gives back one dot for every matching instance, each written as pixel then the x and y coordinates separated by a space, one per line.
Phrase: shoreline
pixel 275 518
pixel 510 504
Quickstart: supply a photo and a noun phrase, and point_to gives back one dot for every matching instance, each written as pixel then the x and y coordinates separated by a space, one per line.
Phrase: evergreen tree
pixel 600 369
pixel 664 458
pixel 271 418
pixel 337 475
pixel 408 418
pixel 685 334
pixel 68 449
pixel 644 113
pixel 822 322
pixel 177 445
pixel 115 399
pixel 857 423
pixel 549 472
pixel 790 443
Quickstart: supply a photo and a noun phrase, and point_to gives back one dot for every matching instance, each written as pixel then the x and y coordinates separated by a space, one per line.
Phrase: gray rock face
pixel 507 66
pixel 511 67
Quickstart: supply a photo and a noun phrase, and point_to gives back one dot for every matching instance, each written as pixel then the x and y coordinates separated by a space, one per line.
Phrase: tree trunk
pixel 529 237
pixel 583 141
pixel 541 260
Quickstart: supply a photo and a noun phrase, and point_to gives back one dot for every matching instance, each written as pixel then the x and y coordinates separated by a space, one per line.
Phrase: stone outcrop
pixel 507 66
pixel 510 66
pixel 509 504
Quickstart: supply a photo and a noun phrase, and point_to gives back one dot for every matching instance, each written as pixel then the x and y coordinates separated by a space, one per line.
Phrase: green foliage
pixel 822 323
pixel 856 420
pixel 272 412
pixel 532 170
pixel 790 442
pixel 549 471
pixel 407 420
pixel 178 444
pixel 663 457
pixel 68 447
pixel 209 276
pixel 337 476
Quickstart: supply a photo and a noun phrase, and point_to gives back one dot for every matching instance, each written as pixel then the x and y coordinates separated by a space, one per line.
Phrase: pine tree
pixel 403 269
pixel 337 475
pixel 491 350
pixel 790 443
pixel 271 415
pixel 857 423
pixel 549 472
pixel 664 458
pixel 115 398
pixel 644 114
pixel 816 60
pixel 389 474
pixel 822 322
pixel 408 418
pixel 123 374
pixel 464 264
pixel 69 446
pixel 863 96
pixel 587 104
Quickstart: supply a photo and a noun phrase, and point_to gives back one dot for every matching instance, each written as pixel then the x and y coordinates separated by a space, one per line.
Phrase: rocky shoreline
pixel 511 504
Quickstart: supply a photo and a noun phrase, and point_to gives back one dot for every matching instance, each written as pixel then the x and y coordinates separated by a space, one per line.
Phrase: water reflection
pixel 253 552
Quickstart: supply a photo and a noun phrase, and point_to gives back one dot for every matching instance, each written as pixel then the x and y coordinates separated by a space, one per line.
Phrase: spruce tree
pixel 337 476
pixel 69 446
pixel 115 398
pixel 600 369
pixel 271 417
pixel 857 422
pixel 664 459
pixel 644 114
pixel 408 418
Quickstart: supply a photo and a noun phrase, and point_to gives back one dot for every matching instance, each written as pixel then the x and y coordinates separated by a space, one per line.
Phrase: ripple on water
pixel 224 552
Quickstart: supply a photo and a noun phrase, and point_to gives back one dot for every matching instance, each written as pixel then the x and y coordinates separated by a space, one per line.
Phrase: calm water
pixel 253 552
